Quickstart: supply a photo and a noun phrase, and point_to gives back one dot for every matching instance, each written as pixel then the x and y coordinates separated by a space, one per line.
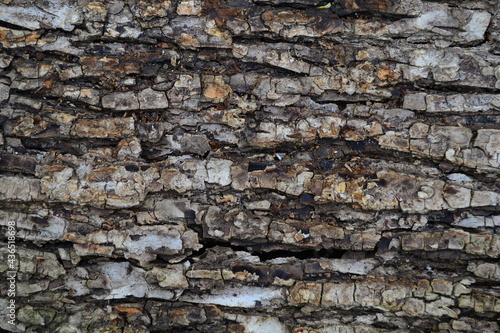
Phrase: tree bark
pixel 250 166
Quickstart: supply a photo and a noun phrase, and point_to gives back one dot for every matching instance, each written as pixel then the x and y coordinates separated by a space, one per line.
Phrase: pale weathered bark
pixel 251 166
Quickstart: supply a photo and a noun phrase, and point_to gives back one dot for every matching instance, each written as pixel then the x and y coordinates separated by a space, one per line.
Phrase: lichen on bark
pixel 250 166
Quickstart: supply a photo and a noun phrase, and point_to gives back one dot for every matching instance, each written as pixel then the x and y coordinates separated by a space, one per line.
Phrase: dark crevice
pixel 256 166
pixel 11 26
pixel 431 87
pixel 38 95
pixel 91 261
pixel 291 4
pixel 302 255
pixel 264 254
pixel 368 149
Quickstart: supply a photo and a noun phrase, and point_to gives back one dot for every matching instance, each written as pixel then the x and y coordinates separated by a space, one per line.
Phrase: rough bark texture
pixel 251 166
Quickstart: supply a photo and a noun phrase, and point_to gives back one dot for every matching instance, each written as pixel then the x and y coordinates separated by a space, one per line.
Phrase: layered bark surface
pixel 251 166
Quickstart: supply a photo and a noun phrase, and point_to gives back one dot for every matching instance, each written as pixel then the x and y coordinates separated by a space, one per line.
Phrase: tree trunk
pixel 250 166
